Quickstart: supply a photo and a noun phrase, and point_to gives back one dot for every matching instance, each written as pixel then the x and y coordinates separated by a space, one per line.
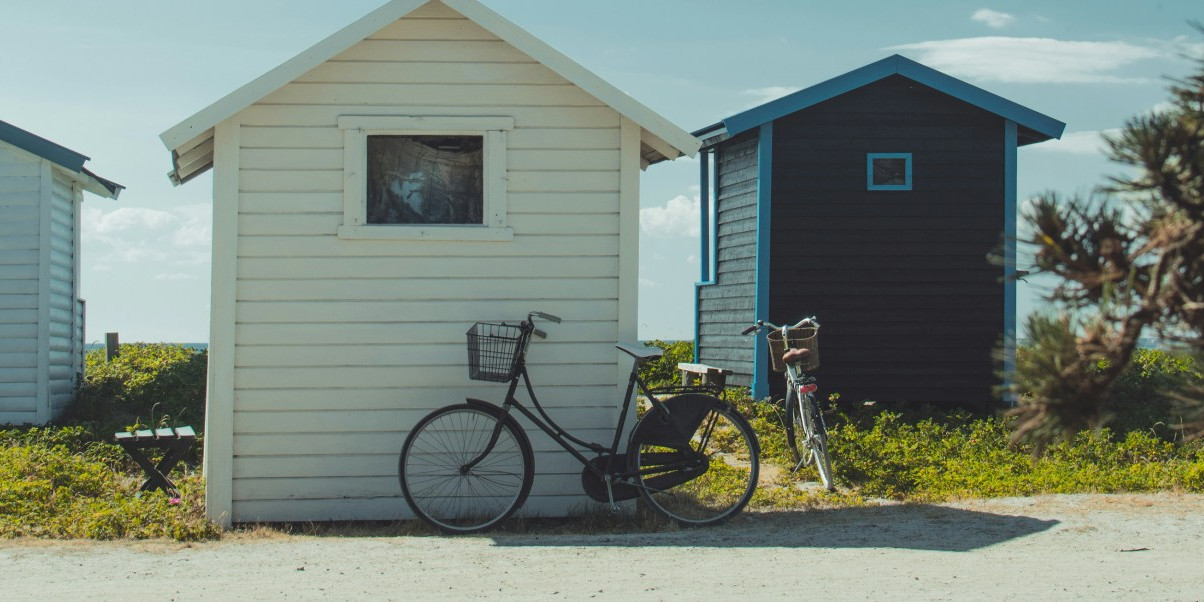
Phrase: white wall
pixel 340 346
pixel 20 185
pixel 63 352
pixel 39 336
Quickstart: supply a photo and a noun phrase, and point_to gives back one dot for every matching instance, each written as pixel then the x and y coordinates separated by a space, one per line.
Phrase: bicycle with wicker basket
pixel 795 351
pixel 468 467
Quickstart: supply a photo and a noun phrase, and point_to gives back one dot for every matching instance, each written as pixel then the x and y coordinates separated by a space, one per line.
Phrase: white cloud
pixel 125 219
pixel 992 19
pixel 180 236
pixel 764 95
pixel 176 276
pixel 1165 106
pixel 1032 60
pixel 1078 143
pixel 678 217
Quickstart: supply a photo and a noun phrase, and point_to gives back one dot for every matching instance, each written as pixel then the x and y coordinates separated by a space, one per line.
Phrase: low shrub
pixel 147 384
pixel 930 460
pixel 49 490
pixel 662 372
pixel 1141 398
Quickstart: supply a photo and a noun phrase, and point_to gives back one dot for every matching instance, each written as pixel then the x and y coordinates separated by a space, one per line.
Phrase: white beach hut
pixel 41 314
pixel 428 166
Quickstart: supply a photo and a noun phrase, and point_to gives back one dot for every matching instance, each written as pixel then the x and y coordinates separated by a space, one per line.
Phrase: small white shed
pixel 41 314
pixel 426 167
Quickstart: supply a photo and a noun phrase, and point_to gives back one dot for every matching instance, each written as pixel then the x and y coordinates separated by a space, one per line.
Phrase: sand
pixel 1123 547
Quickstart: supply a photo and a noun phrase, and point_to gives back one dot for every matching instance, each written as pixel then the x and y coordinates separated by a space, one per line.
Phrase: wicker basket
pixel 804 337
pixel 493 351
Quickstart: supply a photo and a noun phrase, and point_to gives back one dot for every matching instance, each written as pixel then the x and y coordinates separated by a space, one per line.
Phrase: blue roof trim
pixel 1041 124
pixel 55 153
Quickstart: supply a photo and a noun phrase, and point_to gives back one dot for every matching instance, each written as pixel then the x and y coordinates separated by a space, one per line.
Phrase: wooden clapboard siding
pixel 62 315
pixel 727 306
pixel 910 304
pixel 388 508
pixel 340 346
pixel 20 201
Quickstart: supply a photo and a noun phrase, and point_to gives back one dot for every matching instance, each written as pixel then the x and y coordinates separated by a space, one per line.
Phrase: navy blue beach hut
pixel 873 200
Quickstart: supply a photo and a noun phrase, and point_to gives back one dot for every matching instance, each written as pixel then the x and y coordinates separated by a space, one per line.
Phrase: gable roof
pixel 1034 126
pixel 61 156
pixel 191 145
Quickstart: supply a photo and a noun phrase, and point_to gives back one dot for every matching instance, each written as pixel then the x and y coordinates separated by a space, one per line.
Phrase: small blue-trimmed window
pixel 888 171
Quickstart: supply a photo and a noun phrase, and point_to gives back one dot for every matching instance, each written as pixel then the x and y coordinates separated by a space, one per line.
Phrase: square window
pixel 424 177
pixel 888 171
pixel 425 180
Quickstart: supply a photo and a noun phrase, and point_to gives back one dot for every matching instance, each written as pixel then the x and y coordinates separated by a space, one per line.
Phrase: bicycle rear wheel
pixel 699 467
pixel 440 486
pixel 809 427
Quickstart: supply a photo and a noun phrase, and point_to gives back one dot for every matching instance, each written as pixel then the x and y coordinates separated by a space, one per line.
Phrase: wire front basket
pixel 493 351
pixel 803 337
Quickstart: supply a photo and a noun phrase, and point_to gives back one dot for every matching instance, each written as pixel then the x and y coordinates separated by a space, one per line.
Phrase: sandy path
pixel 1056 547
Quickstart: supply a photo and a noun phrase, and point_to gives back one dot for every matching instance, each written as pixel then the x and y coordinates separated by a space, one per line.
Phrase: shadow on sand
pixel 909 526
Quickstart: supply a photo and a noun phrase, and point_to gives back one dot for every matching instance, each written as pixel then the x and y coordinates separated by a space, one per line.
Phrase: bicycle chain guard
pixel 595 487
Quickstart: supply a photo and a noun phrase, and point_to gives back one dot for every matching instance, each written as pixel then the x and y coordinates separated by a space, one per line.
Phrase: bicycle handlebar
pixel 808 321
pixel 548 317
pixel 545 316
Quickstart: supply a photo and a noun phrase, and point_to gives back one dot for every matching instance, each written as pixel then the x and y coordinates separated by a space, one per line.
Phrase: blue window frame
pixel 888 171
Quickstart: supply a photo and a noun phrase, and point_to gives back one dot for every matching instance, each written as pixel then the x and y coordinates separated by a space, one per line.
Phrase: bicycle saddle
pixel 640 353
pixel 794 356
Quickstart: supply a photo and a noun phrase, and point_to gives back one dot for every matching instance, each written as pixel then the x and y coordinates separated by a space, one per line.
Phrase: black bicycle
pixel 795 351
pixel 468 467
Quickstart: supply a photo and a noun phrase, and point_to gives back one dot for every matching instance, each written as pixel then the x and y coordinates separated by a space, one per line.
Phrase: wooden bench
pixel 703 375
pixel 176 441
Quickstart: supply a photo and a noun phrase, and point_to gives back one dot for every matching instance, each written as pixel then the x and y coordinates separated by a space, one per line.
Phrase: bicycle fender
pixel 485 405
pixel 686 412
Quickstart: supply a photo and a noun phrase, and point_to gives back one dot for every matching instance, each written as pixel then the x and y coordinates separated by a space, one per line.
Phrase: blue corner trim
pixel 1010 208
pixel 764 222
pixel 704 243
pixel 704 217
pixel 55 153
pixel 1042 124
pixel 869 171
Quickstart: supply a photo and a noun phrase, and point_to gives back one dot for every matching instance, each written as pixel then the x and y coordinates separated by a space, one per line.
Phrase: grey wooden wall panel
pixel 727 306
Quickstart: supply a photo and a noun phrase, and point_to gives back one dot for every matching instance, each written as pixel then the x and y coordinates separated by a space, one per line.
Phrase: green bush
pixel 1141 397
pixel 662 372
pixel 146 384
pixel 49 490
pixel 931 460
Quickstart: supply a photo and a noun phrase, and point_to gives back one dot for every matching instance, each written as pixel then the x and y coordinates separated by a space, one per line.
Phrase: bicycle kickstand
pixel 610 493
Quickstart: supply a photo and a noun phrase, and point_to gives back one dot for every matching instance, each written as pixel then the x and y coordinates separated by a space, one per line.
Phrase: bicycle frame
pixel 562 437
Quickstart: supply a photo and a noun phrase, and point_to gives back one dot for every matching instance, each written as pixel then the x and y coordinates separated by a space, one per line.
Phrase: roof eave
pixel 669 140
pixel 892 65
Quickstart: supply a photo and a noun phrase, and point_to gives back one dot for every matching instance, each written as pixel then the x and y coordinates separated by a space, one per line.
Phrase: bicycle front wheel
pixel 698 467
pixel 466 468
pixel 811 425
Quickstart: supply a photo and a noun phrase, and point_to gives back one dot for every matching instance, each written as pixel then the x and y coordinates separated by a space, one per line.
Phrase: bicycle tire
pixel 704 480
pixel 795 435
pixel 816 435
pixel 432 475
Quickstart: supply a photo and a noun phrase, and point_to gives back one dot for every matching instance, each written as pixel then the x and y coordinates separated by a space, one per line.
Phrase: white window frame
pixel 492 130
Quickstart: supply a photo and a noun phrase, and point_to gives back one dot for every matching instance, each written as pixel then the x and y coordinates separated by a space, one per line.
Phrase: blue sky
pixel 106 78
